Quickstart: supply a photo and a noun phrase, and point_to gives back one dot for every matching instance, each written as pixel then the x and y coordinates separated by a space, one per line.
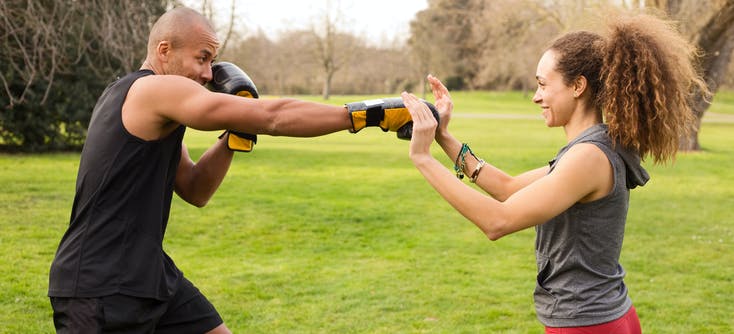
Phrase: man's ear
pixel 162 50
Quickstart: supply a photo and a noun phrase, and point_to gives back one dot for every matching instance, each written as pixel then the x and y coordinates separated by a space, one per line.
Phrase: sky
pixel 376 20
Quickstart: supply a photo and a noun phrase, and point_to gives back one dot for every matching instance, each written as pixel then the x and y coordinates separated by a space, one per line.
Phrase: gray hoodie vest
pixel 580 281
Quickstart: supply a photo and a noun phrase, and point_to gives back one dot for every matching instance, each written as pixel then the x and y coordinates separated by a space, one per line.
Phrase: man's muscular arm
pixel 179 100
pixel 197 182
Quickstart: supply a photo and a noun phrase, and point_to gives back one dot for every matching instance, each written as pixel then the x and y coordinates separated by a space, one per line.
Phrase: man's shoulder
pixel 134 76
pixel 152 104
pixel 160 83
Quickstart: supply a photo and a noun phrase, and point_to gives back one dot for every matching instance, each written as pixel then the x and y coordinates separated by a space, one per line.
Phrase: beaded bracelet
pixel 460 162
pixel 459 168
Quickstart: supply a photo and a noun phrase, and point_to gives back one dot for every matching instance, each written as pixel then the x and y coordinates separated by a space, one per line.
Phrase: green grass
pixel 723 103
pixel 340 234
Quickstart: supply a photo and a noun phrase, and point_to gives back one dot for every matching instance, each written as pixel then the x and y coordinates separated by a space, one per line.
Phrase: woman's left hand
pixel 424 126
pixel 443 103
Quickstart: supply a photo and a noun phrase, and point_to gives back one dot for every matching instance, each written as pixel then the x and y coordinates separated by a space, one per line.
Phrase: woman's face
pixel 555 98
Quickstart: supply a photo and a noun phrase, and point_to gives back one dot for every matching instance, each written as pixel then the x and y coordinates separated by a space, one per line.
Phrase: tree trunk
pixel 716 40
pixel 327 86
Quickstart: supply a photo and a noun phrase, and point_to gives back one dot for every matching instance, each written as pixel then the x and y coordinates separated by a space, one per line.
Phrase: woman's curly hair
pixel 641 76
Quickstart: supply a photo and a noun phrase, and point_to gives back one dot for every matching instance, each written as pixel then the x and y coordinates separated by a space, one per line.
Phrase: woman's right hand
pixel 424 127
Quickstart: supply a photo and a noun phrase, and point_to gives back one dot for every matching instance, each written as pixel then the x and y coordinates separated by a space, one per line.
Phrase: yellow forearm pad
pixel 237 143
pixel 389 114
pixel 395 118
pixel 359 120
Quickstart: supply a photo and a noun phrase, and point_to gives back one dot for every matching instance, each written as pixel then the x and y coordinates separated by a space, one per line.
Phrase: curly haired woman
pixel 619 98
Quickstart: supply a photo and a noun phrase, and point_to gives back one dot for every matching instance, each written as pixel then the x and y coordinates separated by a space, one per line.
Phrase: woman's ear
pixel 579 86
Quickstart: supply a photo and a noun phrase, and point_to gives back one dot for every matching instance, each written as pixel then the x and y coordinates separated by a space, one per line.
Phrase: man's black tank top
pixel 114 242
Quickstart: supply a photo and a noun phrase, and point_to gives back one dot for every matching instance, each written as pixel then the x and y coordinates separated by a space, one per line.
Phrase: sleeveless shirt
pixel 580 280
pixel 124 187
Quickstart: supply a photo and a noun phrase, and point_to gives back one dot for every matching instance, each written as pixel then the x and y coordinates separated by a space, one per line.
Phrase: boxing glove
pixel 229 79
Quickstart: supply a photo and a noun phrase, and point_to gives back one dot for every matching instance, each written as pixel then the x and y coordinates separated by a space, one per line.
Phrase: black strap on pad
pixel 375 115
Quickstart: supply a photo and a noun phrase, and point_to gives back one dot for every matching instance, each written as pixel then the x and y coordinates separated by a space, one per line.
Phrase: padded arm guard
pixel 390 114
pixel 230 79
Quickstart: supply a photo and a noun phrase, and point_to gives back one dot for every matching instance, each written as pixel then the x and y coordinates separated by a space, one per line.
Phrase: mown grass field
pixel 340 234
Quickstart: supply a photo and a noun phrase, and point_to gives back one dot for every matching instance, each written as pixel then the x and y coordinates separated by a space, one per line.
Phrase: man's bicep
pixel 179 100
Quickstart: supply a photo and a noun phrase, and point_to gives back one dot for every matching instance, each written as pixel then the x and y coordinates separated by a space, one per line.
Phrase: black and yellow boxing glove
pixel 230 79
pixel 390 114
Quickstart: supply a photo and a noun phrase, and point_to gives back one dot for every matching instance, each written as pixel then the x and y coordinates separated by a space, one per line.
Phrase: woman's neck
pixel 582 120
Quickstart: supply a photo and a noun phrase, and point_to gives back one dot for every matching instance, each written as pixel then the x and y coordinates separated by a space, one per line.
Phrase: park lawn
pixel 340 234
pixel 723 102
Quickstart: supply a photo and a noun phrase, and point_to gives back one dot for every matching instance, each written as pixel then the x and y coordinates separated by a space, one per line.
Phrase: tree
pixel 715 39
pixel 708 25
pixel 207 9
pixel 332 48
pixel 56 57
pixel 512 36
pixel 282 66
pixel 443 42
pixel 289 65
pixel 498 38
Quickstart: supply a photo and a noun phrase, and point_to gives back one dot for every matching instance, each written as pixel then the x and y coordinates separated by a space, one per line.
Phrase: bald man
pixel 110 272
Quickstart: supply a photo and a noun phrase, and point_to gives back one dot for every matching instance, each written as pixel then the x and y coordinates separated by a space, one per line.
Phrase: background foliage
pixel 56 56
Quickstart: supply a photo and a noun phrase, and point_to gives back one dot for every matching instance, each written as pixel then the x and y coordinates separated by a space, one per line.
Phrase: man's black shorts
pixel 188 311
